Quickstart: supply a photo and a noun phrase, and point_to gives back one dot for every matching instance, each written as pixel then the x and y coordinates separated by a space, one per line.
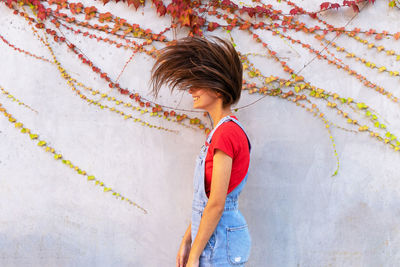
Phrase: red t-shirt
pixel 232 140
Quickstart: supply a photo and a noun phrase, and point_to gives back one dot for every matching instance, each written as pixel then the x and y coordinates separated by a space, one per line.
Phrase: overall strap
pixel 226 119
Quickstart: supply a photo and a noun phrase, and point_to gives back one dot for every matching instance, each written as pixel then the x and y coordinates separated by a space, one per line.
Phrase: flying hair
pixel 199 63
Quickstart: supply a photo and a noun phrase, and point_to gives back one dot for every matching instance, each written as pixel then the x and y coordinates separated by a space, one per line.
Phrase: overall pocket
pixel 238 244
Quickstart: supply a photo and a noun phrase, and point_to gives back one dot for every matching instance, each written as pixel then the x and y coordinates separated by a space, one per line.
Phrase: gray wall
pixel 297 213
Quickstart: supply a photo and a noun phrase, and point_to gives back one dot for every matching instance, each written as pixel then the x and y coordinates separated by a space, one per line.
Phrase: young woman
pixel 212 73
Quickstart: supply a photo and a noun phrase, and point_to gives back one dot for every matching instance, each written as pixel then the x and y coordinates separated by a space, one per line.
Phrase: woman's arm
pixel 221 174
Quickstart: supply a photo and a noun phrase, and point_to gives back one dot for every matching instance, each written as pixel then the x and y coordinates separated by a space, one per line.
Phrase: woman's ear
pixel 219 95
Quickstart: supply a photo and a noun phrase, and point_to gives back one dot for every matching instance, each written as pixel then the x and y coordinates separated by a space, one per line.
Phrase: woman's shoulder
pixel 230 129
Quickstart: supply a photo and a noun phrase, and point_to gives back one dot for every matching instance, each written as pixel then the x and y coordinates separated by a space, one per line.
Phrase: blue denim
pixel 230 243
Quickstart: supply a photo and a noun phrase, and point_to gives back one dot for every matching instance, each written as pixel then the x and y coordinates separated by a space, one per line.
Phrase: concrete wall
pixel 297 213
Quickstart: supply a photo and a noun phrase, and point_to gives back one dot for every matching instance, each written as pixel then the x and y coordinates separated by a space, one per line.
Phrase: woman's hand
pixel 183 254
pixel 184 248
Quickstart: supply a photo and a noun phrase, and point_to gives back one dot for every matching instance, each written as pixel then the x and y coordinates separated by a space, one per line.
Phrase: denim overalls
pixel 230 243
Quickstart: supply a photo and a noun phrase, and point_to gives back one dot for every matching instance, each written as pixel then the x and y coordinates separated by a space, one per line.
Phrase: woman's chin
pixel 196 106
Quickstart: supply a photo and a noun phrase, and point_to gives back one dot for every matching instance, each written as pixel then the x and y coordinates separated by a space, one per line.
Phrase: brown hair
pixel 199 63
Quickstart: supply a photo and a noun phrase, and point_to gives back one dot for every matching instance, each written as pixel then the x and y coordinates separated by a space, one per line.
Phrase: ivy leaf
pixel 355 8
pixel 136 3
pixel 294 11
pixel 313 15
pixel 325 5
pixel 213 25
pixel 33 136
pixel 41 143
pixel 337 6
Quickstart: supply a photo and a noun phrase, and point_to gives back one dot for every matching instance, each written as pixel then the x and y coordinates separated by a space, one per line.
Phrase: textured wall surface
pixel 297 213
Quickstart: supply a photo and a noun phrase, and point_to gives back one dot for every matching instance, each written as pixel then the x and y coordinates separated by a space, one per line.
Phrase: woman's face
pixel 205 98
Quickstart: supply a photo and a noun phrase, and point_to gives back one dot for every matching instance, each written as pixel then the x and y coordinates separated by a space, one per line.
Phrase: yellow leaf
pixel 41 143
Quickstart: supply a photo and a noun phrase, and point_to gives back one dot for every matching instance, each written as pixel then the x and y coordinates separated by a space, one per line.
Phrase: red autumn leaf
pixel 249 11
pixel 185 20
pixel 347 3
pixel 336 5
pixel 325 5
pixel 294 11
pixel 161 9
pixel 136 3
pixel 212 26
pixel 355 8
pixel 396 36
pixel 313 15
pixel 245 25
pixel 351 4
pixel 199 21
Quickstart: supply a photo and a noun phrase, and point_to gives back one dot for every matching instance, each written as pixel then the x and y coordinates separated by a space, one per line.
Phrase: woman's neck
pixel 218 113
